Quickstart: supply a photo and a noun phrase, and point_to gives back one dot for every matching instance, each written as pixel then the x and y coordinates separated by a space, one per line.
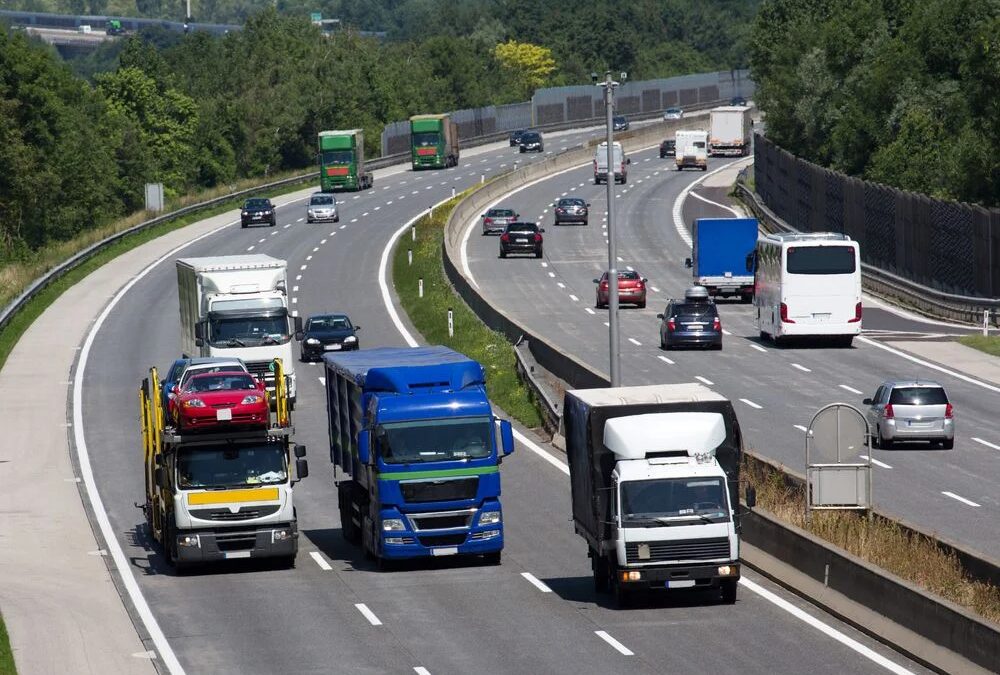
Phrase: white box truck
pixel 237 306
pixel 691 149
pixel 654 477
pixel 730 128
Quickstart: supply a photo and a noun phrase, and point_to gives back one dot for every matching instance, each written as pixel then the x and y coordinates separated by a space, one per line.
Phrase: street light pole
pixel 613 333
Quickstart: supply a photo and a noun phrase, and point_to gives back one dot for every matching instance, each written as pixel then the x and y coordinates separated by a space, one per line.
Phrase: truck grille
pixel 688 549
pixel 443 490
pixel 243 514
pixel 236 541
pixel 441 521
pixel 261 369
pixel 442 539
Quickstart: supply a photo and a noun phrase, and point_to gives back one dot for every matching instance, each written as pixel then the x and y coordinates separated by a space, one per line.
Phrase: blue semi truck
pixel 416 451
pixel 719 250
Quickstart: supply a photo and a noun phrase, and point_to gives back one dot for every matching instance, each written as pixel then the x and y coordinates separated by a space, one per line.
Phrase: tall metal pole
pixel 615 350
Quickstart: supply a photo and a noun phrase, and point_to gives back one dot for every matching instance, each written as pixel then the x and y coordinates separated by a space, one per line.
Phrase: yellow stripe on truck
pixel 230 496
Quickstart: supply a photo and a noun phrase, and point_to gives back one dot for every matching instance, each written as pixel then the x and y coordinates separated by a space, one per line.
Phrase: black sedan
pixel 328 333
pixel 571 210
pixel 693 321
pixel 619 123
pixel 521 238
pixel 258 211
pixel 531 141
pixel 515 137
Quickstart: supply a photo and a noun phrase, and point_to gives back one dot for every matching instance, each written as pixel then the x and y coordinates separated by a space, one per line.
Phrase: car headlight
pixel 194 403
pixel 489 517
pixel 393 525
pixel 245 213
pixel 280 535
pixel 350 338
pixel 312 341
pixel 251 398
pixel 190 540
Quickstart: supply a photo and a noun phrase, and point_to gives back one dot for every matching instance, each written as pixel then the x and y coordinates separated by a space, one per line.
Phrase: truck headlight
pixel 312 341
pixel 393 525
pixel 350 338
pixel 194 403
pixel 189 540
pixel 631 575
pixel 489 517
pixel 280 535
pixel 728 570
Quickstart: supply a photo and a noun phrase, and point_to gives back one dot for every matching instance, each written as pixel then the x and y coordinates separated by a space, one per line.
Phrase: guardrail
pixel 932 618
pixel 925 300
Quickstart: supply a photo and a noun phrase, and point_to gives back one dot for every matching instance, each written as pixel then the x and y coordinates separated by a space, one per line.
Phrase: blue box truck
pixel 416 452
pixel 719 250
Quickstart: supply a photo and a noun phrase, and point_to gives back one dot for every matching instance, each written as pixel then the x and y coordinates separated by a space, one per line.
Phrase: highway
pixel 776 389
pixel 535 613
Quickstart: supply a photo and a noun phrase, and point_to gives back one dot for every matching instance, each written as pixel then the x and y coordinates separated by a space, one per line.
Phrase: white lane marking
pixel 801 367
pixel 300 220
pixel 552 274
pixel 635 342
pixel 800 428
pixel 323 564
pixel 678 210
pixel 751 403
pixel 273 233
pixel 315 248
pixel 560 284
pixel 620 259
pixel 704 379
pixel 322 241
pixel 287 226
pixel 388 203
pixel 295 289
pixel 758 347
pixel 630 268
pixel 824 628
pixel 986 443
pixel 665 359
pixel 545 264
pixel 376 208
pixel 942 369
pixel 295 312
pixel 368 614
pixel 298 277
pixel 721 206
pixel 574 298
pixel 251 248
pixel 850 389
pixel 261 241
pixel 622 649
pixel 364 214
pixel 961 499
pixel 304 267
pixel 534 581
pixel 875 461
pixel 607 324
pixel 335 232
pixel 420 670
pixel 309 257
pixel 322 380
pixel 295 301
pixel 657 290
pixel 343 226
pixel 589 310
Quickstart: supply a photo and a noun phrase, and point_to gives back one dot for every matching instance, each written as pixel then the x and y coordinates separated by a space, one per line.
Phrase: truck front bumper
pixel 270 541
pixel 479 541
pixel 679 576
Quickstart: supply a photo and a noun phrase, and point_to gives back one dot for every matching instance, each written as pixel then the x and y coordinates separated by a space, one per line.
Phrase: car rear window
pixel 500 213
pixel 918 396
pixel 821 260
pixel 571 202
pixel 696 308
pixel 522 227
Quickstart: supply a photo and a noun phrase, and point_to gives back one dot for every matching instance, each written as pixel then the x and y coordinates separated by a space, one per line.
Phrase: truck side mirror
pixel 297 321
pixel 506 437
pixel 356 328
pixel 751 496
pixel 299 335
pixel 659 316
pixel 628 161
pixel 199 331
pixel 364 447
pixel 300 451
pixel 301 468
pixel 687 262
pixel 160 477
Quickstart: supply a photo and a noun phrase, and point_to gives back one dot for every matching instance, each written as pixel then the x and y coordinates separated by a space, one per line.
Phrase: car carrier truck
pixel 237 306
pixel 720 248
pixel 654 474
pixel 416 452
pixel 342 161
pixel 433 142
pixel 220 494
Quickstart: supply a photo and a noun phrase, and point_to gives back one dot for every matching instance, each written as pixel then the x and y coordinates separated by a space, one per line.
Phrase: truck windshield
pixel 338 156
pixel 222 467
pixel 248 331
pixel 425 139
pixel 440 440
pixel 680 499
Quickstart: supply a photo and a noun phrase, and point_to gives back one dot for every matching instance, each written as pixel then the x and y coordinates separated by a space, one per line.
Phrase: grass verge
pixel 6 655
pixel 878 540
pixel 990 345
pixel 429 315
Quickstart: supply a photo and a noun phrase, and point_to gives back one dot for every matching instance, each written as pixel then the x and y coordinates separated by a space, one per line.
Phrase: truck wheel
pixel 492 558
pixel 503 254
pixel 623 596
pixel 729 587
pixel 287 562
pixel 602 578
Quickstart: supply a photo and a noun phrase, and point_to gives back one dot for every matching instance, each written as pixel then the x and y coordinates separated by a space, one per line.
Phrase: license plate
pixel 821 317
pixel 448 550
pixel 679 583
pixel 258 217
pixel 695 326
pixel 229 555
pixel 332 347
pixel 521 241
pixel 223 414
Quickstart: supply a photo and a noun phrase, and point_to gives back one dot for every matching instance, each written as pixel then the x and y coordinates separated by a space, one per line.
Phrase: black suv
pixel 531 141
pixel 737 100
pixel 619 123
pixel 258 210
pixel 571 210
pixel 692 321
pixel 668 148
pixel 515 136
pixel 521 238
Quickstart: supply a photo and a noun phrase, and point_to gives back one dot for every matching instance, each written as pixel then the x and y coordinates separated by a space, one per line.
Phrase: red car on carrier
pixel 631 289
pixel 220 399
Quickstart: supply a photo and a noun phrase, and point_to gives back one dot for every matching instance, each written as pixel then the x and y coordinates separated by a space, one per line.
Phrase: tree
pixel 529 64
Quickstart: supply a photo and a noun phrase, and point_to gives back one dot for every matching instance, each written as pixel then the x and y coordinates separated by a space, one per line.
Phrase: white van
pixel 691 149
pixel 601 163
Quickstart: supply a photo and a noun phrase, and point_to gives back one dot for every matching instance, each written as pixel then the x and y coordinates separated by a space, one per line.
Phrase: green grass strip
pixel 990 345
pixel 6 655
pixel 429 315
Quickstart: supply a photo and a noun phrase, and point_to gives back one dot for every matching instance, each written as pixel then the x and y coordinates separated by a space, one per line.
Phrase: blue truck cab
pixel 416 451
pixel 719 253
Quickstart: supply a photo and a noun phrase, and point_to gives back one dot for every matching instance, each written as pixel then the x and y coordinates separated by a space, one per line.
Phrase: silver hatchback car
pixel 322 206
pixel 914 410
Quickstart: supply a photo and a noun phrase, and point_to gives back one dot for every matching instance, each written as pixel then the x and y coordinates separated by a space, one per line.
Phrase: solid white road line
pixel 986 443
pixel 534 581
pixel 758 347
pixel 961 499
pixel 824 628
pixel 928 364
pixel 622 649
pixel 704 379
pixel 850 389
pixel 635 342
pixel 721 206
pixel 318 557
pixel 678 210
pixel 665 359
pixel 751 403
pixel 368 614
pixel 875 461
pixel 801 367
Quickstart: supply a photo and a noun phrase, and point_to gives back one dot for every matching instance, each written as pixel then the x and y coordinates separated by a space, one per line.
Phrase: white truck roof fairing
pixel 651 393
pixel 637 436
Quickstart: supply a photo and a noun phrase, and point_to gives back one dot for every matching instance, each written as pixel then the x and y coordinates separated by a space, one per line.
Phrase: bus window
pixel 820 260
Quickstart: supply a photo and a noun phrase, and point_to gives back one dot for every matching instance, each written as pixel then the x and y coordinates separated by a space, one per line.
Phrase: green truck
pixel 433 141
pixel 342 161
pixel 114 27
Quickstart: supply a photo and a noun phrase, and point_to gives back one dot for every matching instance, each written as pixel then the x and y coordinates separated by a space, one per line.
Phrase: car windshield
pixel 322 200
pixel 434 440
pixel 257 204
pixel 220 382
pixel 328 323
pixel 619 119
pixel 522 227
pixel 673 111
pixel 500 213
pixel 425 139
pixel 626 275
pixel 821 260
pixel 231 466
pixel 208 370
pixel 572 202
pixel 244 331
pixel 675 498
pixel 918 396
pixel 338 156
pixel 530 138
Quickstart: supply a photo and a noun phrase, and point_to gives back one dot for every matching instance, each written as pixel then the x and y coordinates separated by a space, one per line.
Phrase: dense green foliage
pixel 903 92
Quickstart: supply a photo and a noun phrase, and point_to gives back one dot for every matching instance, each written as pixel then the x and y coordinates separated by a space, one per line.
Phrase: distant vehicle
pixel 515 136
pixel 631 289
pixel 737 100
pixel 322 207
pixel 328 333
pixel 620 163
pixel 258 211
pixel 719 250
pixel 693 321
pixel 342 161
pixel 916 410
pixel 521 238
pixel 673 114
pixel 433 142
pixel 113 27
pixel 668 148
pixel 619 123
pixel 691 149
pixel 183 368
pixel 497 219
pixel 807 285
pixel 213 400
pixel 731 128
pixel 571 210
pixel 531 141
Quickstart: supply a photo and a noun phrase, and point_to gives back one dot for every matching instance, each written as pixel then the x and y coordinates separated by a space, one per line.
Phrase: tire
pixel 538 253
pixel 729 588
pixel 243 225
pixel 845 342
pixel 948 443
pixel 310 220
pixel 641 305
pixel 602 578
pixel 521 150
pixel 663 344
pixel 882 442
pixel 623 596
pixel 337 219
pixel 492 558
pixel 503 254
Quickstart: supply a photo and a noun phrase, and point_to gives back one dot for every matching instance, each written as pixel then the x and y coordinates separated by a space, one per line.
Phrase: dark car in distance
pixel 693 321
pixel 521 238
pixel 328 333
pixel 668 148
pixel 515 137
pixel 571 210
pixel 258 210
pixel 619 123
pixel 737 100
pixel 531 141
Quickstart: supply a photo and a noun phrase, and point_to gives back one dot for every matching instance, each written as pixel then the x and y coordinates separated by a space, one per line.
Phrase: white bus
pixel 808 285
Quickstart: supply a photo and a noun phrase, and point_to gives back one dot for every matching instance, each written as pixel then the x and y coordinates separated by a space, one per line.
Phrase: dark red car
pixel 220 399
pixel 631 289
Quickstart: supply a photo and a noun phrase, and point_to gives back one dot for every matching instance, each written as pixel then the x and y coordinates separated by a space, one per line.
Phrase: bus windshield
pixel 821 260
